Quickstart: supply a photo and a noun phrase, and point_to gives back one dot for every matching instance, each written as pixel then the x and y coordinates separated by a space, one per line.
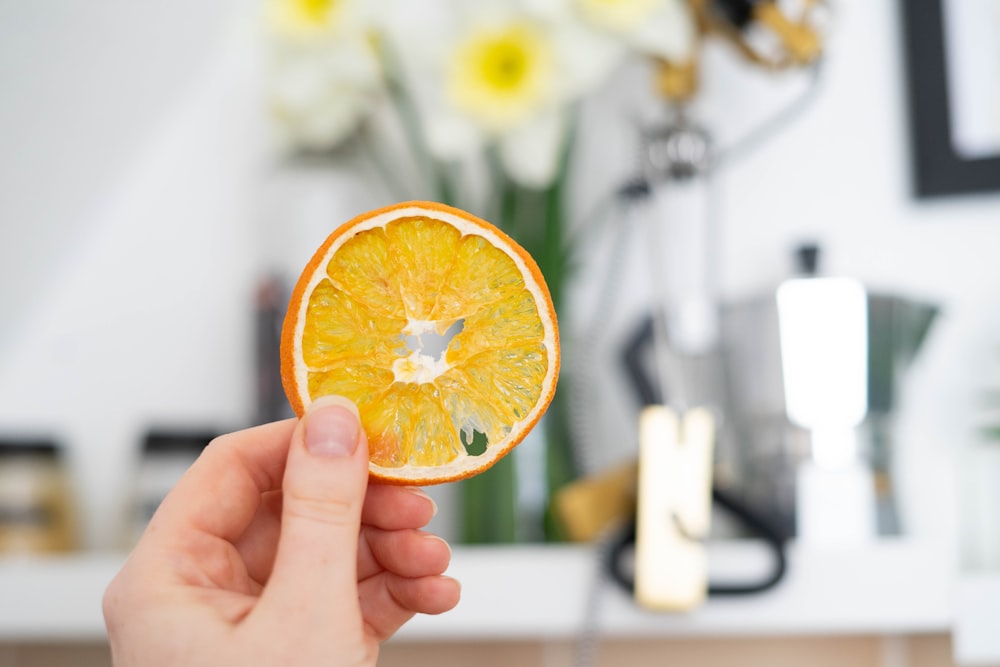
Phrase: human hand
pixel 270 552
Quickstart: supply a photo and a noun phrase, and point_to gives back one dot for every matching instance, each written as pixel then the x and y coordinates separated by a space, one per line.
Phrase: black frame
pixel 936 167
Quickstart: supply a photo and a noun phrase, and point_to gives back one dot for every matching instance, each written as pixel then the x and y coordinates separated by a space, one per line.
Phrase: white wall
pixel 128 289
pixel 81 84
pixel 141 315
pixel 126 276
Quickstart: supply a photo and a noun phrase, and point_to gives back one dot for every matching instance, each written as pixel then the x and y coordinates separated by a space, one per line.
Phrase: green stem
pixel 536 219
pixel 393 185
pixel 560 468
pixel 501 208
pixel 489 505
pixel 446 192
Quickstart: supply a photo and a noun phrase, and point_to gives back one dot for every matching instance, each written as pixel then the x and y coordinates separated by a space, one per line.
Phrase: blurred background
pixel 785 212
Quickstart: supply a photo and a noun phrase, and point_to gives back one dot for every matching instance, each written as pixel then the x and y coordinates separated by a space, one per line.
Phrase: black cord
pixel 620 547
pixel 762 529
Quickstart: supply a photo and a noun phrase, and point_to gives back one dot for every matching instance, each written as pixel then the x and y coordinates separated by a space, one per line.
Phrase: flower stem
pixel 536 218
pixel 393 185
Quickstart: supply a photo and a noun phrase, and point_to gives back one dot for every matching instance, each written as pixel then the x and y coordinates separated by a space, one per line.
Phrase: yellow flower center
pixel 618 15
pixel 500 75
pixel 304 18
pixel 315 11
pixel 504 64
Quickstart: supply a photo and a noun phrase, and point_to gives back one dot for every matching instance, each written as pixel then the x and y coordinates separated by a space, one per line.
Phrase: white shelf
pixel 540 592
pixel 977 619
pixel 892 587
pixel 55 598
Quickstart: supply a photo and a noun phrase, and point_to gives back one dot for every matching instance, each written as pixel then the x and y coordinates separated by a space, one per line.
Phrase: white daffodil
pixel 499 75
pixel 324 75
pixel 319 95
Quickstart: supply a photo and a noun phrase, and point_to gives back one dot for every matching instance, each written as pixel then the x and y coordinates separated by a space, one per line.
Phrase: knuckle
pixel 318 509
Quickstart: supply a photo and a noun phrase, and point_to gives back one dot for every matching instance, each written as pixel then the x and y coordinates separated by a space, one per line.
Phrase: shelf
pixel 540 592
pixel 977 614
pixel 55 598
pixel 890 587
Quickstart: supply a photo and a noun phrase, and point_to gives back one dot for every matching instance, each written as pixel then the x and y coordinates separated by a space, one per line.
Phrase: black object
pixel 807 259
pixel 739 13
pixel 28 446
pixel 270 305
pixel 166 441
pixel 938 169
pixel 646 393
pixel 636 189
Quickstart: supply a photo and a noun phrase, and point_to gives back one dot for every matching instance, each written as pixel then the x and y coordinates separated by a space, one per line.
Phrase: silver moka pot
pixel 816 355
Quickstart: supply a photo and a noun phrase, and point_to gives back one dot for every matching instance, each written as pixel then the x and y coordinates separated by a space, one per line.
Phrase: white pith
pixel 418 368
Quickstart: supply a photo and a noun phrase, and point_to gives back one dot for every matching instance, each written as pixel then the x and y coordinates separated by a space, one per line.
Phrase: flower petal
pixel 320 93
pixel 586 57
pixel 530 153
pixel 549 10
pixel 669 33
pixel 451 136
pixel 618 16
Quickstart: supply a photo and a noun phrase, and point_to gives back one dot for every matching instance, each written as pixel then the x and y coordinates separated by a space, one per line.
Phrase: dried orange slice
pixel 438 325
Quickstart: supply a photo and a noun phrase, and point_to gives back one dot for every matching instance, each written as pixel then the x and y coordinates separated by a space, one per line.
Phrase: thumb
pixel 315 568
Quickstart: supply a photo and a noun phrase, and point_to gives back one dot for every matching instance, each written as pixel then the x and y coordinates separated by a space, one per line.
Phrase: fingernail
pixel 332 427
pixel 416 490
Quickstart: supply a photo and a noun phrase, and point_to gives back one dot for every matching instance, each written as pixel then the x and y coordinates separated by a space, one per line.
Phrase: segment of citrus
pixel 438 326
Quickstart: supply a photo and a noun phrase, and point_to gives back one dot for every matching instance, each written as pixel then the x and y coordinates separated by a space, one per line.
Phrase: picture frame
pixel 945 161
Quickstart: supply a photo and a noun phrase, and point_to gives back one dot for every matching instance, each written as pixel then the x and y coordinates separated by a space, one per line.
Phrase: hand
pixel 270 552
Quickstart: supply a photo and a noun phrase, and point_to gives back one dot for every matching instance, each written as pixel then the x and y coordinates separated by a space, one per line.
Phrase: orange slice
pixel 438 326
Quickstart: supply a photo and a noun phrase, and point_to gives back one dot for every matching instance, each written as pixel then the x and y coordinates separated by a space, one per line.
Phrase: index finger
pixel 220 493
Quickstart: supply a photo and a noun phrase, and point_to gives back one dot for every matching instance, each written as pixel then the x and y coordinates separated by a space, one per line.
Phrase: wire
pixel 668 370
pixel 615 552
pixel 582 392
pixel 773 125
pixel 583 382
pixel 589 641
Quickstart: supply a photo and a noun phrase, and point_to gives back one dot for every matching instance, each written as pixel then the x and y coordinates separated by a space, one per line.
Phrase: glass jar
pixel 166 456
pixel 36 510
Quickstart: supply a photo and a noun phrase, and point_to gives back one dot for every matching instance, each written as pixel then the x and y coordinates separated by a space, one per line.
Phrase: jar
pixel 36 510
pixel 166 456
